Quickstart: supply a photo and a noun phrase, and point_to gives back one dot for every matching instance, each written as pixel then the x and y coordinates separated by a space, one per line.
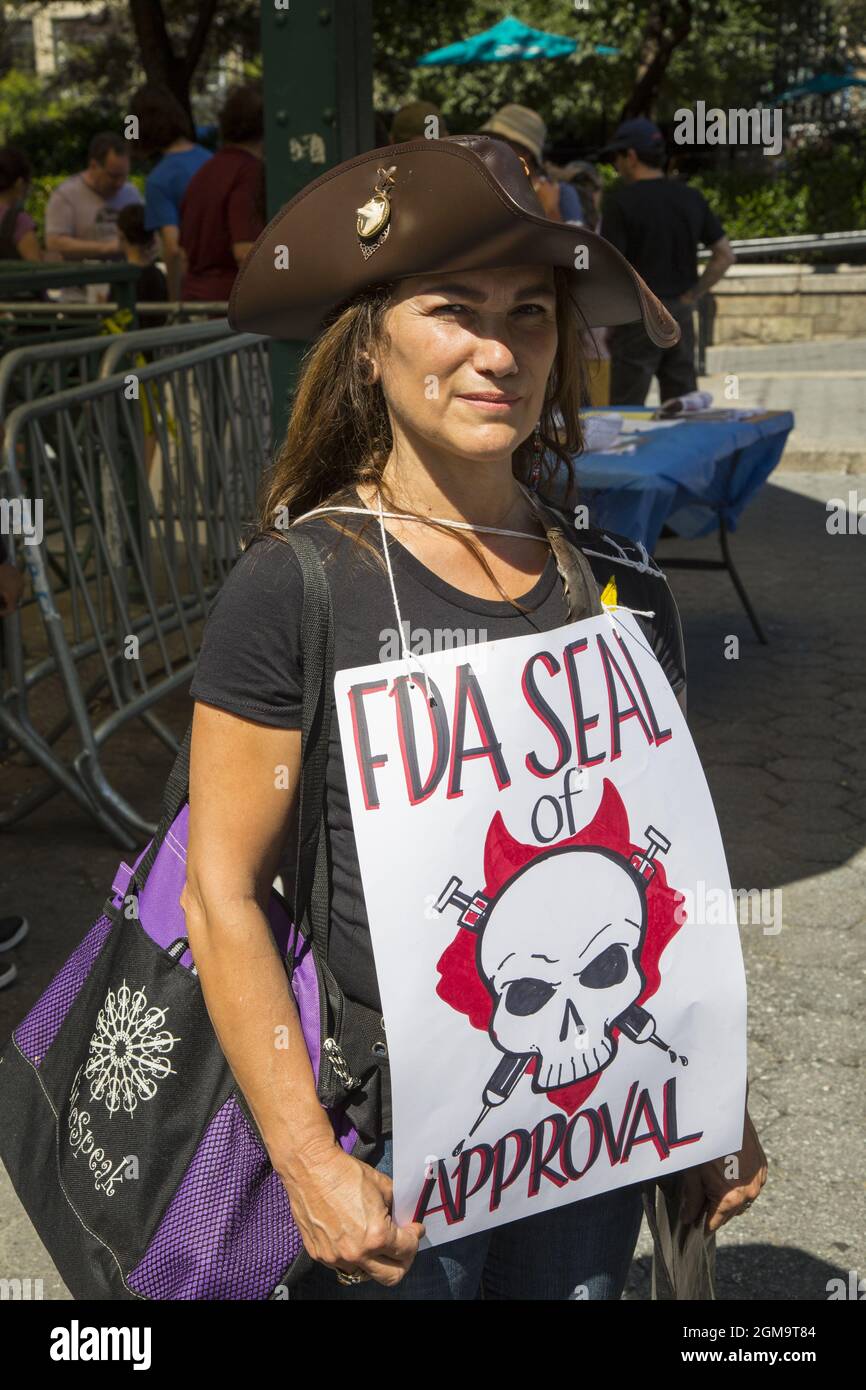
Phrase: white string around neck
pixel 408 656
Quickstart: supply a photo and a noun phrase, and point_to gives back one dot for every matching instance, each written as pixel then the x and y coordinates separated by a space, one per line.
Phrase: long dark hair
pixel 339 431
pixel 14 165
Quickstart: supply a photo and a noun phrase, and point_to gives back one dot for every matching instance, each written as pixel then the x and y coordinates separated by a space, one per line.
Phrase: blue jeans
pixel 580 1251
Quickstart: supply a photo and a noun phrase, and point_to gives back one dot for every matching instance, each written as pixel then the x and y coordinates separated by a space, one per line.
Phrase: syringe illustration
pixel 633 1021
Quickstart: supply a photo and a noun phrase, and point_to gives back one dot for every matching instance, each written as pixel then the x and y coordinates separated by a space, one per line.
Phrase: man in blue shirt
pixel 165 128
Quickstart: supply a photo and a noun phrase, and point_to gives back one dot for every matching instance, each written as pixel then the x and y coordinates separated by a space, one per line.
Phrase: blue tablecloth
pixel 685 477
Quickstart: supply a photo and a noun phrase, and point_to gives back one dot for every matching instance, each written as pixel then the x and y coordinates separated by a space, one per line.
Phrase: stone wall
pixel 788 304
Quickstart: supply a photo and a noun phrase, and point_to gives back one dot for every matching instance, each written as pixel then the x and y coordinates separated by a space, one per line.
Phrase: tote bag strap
pixel 312 876
pixel 312 894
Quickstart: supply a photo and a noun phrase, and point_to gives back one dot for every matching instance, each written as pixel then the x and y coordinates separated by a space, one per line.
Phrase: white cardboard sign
pixel 531 850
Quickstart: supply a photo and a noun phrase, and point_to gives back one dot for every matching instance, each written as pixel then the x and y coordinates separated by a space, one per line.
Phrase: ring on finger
pixel 354 1276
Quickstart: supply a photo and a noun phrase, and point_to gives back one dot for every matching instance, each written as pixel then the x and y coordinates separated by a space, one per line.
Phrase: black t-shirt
pixel 250 661
pixel 658 225
pixel 152 289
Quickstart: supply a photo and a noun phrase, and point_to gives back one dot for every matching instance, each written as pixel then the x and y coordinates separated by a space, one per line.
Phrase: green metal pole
pixel 318 96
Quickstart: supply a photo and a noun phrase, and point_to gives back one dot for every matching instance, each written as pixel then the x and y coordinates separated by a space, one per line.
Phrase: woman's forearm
pixel 255 1018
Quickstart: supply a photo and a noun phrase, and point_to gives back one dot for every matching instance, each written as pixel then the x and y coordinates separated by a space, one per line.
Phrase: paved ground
pixel 781 735
pixel 780 732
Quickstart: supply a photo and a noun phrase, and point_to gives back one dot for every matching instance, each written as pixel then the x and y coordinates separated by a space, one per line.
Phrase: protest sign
pixel 556 1025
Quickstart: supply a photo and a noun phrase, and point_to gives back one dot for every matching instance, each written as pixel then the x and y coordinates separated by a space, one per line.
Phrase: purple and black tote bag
pixel 122 1128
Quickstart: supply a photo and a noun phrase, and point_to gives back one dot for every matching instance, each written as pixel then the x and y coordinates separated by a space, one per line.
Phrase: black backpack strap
pixel 174 795
pixel 312 876
pixel 312 892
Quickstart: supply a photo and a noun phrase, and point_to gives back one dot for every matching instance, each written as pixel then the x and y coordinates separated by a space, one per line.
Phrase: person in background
pixel 18 239
pixel 589 184
pixel 223 210
pixel 12 929
pixel 525 131
pixel 658 223
pixel 81 215
pixel 413 121
pixel 139 248
pixel 164 128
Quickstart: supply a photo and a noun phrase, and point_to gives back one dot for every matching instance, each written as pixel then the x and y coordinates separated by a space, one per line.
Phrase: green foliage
pixel 54 133
pixel 21 95
pixel 819 190
pixel 835 181
pixel 733 55
pixel 729 53
pixel 749 207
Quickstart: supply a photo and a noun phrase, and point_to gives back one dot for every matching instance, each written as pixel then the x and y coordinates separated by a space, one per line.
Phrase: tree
pixel 173 43
pixel 668 24
pixel 163 65
pixel 671 54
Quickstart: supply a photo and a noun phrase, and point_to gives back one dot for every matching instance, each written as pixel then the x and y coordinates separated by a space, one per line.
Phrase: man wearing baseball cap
pixel 658 223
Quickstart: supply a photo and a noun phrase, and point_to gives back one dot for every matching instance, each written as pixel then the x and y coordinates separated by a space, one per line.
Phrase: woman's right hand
pixel 342 1208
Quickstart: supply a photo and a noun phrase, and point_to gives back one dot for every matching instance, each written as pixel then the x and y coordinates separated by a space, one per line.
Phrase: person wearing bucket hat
pixel 436 409
pixel 526 133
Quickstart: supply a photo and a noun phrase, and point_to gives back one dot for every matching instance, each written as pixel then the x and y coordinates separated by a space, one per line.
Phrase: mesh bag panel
pixel 37 1031
pixel 228 1231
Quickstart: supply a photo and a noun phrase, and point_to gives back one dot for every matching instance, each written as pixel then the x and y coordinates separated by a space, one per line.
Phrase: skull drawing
pixel 559 954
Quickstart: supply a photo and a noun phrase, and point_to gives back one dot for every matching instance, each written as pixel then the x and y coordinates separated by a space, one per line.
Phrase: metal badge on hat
pixel 374 218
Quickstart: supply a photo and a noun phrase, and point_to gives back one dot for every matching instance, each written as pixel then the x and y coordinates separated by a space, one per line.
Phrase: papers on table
pixel 721 413
pixel 618 432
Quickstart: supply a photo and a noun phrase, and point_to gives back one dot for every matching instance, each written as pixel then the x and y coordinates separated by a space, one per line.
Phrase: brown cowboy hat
pixel 464 202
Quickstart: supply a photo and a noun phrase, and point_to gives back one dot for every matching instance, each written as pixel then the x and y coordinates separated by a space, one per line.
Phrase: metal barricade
pixel 27 373
pixel 24 319
pixel 167 457
pixel 40 369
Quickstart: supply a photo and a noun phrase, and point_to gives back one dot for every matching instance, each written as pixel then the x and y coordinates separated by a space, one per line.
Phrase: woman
pixel 447 311
pixel 18 238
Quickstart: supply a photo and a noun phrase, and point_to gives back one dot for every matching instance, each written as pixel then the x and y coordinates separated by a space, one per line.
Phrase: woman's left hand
pixel 707 1189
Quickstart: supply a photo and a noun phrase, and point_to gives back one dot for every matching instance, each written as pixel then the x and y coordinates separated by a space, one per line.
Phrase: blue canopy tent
pixel 823 84
pixel 509 41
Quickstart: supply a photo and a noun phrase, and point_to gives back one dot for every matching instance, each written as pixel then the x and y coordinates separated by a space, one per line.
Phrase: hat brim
pixel 449 211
